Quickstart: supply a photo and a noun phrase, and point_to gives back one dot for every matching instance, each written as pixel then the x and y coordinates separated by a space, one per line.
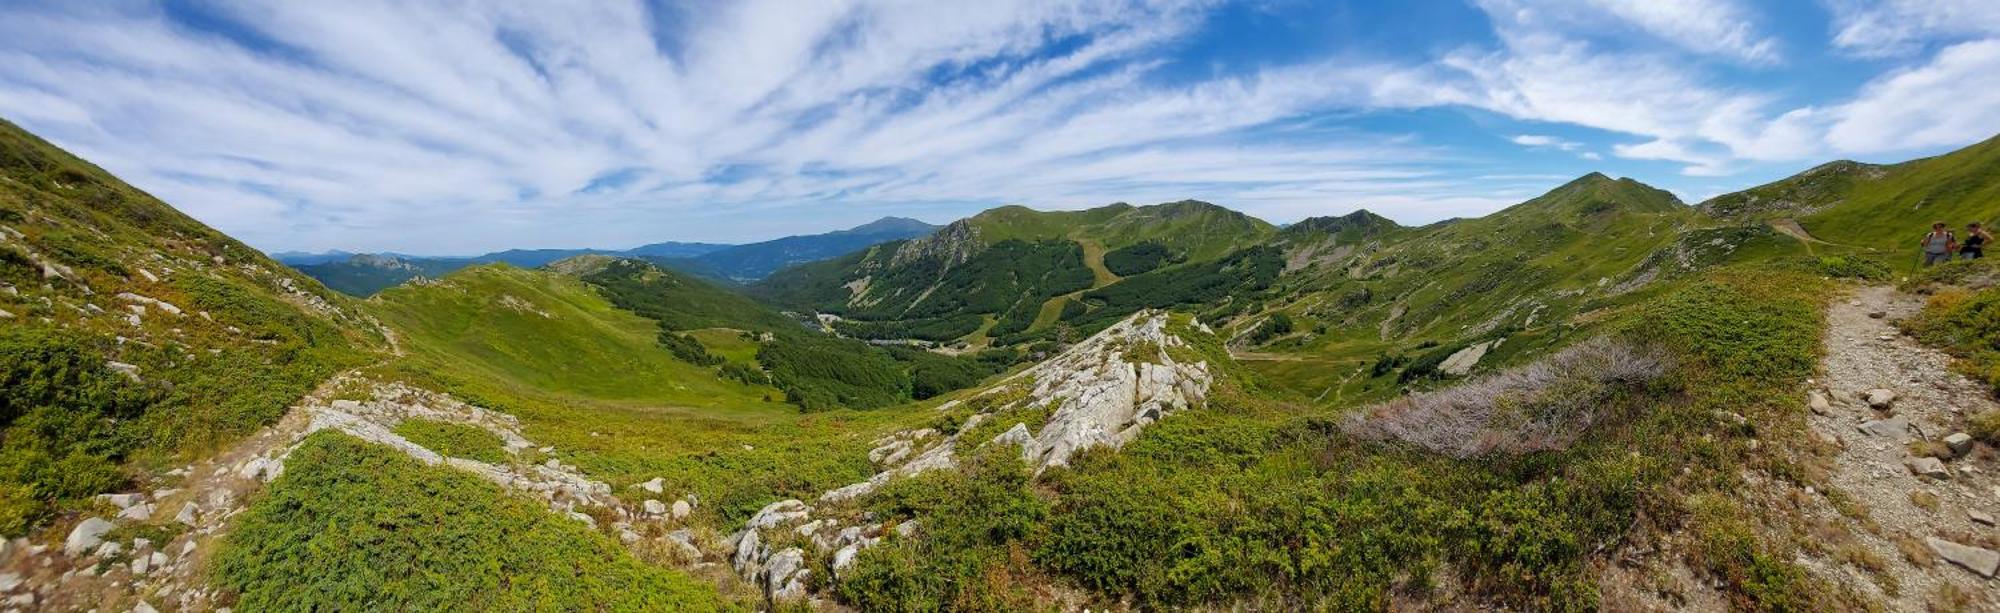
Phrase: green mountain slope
pixel 128 331
pixel 1880 208
pixel 997 271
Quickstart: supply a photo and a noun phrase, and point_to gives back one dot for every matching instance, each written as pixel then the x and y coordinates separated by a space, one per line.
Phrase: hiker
pixel 1939 244
pixel 1974 246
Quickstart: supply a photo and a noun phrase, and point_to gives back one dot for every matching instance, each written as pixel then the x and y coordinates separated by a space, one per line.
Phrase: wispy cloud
pixel 454 126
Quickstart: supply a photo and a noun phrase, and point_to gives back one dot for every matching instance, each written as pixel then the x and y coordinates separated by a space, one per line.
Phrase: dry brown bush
pixel 1542 406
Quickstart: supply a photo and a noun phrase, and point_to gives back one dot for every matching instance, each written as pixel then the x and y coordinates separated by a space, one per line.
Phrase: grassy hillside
pixel 127 331
pixel 1883 210
pixel 595 380
pixel 548 332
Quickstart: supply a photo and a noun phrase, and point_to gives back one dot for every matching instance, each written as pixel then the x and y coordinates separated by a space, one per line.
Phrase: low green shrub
pixel 356 526
pixel 455 439
pixel 1966 324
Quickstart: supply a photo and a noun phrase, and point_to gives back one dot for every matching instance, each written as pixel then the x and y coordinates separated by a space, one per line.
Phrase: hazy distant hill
pixel 366 274
pixel 758 260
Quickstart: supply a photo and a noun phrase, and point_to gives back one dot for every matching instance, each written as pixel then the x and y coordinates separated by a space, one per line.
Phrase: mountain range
pixel 365 274
pixel 1598 398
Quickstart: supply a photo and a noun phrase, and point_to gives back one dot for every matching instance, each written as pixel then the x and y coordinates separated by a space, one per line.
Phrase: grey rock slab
pixel 1927 467
pixel 86 535
pixel 1976 559
pixel 1891 428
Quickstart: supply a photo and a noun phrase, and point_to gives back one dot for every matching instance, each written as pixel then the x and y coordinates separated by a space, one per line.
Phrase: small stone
pixel 682 509
pixel 1976 559
pixel 1979 516
pixel 657 485
pixel 187 514
pixel 1927 467
pixel 1959 442
pixel 1818 403
pixel 655 507
pixel 1881 398
pixel 141 565
pixel 1877 314
pixel 9 581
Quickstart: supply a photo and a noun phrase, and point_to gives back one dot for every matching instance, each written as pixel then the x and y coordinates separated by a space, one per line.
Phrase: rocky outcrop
pixel 949 246
pixel 1100 392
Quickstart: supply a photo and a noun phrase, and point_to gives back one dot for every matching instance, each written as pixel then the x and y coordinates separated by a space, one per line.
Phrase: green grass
pixel 1967 324
pixel 591 380
pixel 455 439
pixel 353 526
pixel 74 427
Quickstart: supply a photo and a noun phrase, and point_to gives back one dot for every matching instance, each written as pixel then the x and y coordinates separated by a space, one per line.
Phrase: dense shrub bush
pixel 356 526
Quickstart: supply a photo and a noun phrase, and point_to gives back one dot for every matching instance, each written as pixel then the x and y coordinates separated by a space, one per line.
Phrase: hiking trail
pixel 1928 523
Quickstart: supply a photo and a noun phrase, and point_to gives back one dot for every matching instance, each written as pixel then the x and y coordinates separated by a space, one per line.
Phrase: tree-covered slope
pixel 1002 267
pixel 128 332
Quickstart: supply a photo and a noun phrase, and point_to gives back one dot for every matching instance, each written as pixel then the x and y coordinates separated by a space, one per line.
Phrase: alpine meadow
pixel 1164 305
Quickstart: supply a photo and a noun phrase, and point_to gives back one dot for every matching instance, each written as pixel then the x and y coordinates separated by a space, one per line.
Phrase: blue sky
pixel 465 126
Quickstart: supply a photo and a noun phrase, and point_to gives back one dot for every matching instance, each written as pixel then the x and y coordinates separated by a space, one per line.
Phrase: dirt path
pixel 1894 513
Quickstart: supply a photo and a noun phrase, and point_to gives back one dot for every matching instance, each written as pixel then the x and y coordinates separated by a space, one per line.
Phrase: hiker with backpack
pixel 1939 245
pixel 1974 246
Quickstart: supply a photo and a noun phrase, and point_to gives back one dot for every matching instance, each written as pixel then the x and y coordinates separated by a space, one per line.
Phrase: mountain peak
pixel 892 225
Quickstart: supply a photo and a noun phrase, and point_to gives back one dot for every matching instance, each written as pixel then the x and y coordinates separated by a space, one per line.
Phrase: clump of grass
pixel 455 439
pixel 1915 551
pixel 1853 267
pixel 1986 426
pixel 1930 449
pixel 1924 500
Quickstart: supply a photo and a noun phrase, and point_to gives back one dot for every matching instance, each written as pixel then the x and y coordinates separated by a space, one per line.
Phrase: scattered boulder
pixel 1894 427
pixel 1959 442
pixel 682 509
pixel 655 507
pixel 1976 559
pixel 1927 467
pixel 779 512
pixel 137 512
pixel 786 575
pixel 87 535
pixel 657 485
pixel 122 501
pixel 1880 398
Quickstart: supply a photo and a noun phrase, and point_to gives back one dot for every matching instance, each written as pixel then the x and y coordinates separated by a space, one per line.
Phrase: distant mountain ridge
pixel 365 274
pixel 758 260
